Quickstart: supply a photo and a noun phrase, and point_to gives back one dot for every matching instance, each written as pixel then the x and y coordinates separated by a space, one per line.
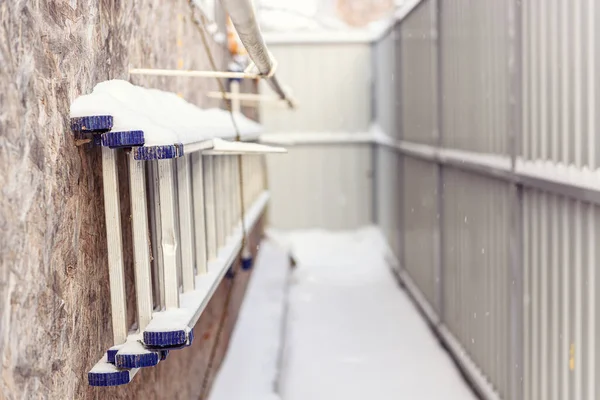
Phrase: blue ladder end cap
pixel 92 123
pixel 166 339
pixel 246 263
pixel 112 378
pixel 146 153
pixel 149 359
pixel 123 139
pixel 175 344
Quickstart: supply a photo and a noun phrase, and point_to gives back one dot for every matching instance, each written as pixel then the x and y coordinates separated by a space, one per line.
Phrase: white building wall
pixel 322 185
pixel 330 82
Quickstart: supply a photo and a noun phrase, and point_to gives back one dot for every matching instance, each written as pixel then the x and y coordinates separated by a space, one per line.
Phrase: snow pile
pixel 164 117
pixel 351 332
pixel 565 174
pixel 319 20
pixel 293 15
pixel 307 15
pixel 250 368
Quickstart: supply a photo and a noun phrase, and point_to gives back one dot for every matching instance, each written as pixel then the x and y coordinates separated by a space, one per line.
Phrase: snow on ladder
pixel 187 232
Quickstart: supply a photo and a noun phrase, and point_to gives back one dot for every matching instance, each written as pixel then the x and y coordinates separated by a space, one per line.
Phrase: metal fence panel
pixel 560 110
pixel 420 219
pixel 475 77
pixel 339 173
pixel 388 196
pixel 418 87
pixel 483 48
pixel 560 285
pixel 384 79
pixel 476 270
pixel 336 74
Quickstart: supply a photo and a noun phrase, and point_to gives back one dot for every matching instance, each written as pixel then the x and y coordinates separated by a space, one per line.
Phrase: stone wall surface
pixel 54 295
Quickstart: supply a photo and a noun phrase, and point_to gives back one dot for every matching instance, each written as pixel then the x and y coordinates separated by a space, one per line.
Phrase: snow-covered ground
pixel 350 332
pixel 251 366
pixel 309 16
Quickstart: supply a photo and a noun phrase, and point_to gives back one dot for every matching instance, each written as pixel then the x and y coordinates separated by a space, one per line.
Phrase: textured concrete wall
pixel 54 308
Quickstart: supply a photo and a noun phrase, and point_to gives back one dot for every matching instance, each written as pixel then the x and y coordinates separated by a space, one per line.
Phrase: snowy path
pixel 351 332
pixel 250 369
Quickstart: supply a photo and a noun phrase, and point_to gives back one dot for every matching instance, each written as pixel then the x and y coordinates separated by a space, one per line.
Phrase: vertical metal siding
pixel 325 185
pixel 560 285
pixel 560 110
pixel 418 87
pixel 321 186
pixel 476 285
pixel 559 121
pixel 475 72
pixel 420 218
pixel 331 83
pixel 384 79
pixel 398 104
pixel 418 123
pixel 388 196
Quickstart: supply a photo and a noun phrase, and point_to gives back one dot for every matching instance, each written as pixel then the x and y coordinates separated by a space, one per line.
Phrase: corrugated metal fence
pixel 496 107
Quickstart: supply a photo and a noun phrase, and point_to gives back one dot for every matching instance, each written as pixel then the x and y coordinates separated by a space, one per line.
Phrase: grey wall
pixel 511 87
pixel 331 83
pixel 321 186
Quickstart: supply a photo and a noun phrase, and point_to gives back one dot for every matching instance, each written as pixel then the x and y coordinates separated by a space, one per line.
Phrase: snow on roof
pixel 293 15
pixel 164 117
pixel 316 21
